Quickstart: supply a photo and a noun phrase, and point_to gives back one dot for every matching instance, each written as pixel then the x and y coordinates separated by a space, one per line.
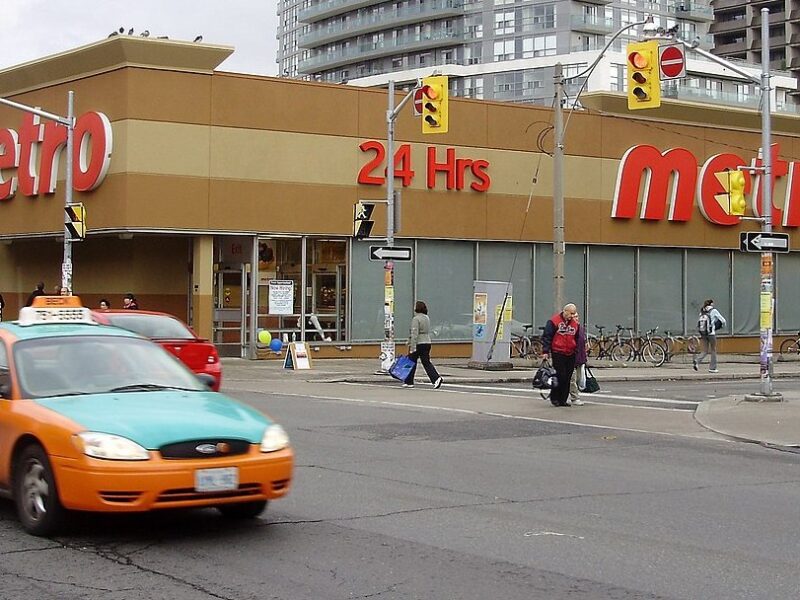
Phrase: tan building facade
pixel 219 183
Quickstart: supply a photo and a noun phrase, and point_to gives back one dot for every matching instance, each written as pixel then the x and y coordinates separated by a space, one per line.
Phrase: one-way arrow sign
pixel 402 253
pixel 756 241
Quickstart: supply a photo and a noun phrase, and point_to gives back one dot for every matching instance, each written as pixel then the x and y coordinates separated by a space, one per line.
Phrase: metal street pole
pixel 766 286
pixel 69 123
pixel 558 191
pixel 767 300
pixel 388 345
pixel 66 266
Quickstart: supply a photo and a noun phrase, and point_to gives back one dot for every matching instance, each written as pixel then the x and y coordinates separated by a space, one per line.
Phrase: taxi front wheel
pixel 38 507
pixel 243 510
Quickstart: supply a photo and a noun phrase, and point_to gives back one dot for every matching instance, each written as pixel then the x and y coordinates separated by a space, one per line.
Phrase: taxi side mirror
pixel 207 379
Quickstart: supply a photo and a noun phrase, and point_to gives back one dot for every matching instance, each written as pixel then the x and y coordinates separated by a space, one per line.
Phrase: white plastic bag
pixel 581 380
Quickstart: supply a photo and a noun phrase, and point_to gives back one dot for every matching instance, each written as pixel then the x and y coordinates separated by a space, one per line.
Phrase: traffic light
pixel 644 83
pixel 434 104
pixel 738 201
pixel 362 223
pixel 75 221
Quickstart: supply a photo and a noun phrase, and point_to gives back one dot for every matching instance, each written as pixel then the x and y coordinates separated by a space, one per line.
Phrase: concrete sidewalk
pixel 770 423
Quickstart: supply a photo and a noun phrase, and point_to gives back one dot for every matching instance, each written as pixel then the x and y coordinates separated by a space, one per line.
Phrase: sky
pixel 31 29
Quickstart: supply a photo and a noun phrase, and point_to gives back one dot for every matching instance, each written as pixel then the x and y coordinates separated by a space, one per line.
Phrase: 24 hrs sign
pixel 455 173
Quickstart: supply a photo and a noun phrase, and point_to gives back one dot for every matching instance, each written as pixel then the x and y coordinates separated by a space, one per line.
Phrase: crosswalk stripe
pixel 595 395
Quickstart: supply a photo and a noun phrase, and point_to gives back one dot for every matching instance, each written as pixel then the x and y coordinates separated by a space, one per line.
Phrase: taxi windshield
pixel 59 366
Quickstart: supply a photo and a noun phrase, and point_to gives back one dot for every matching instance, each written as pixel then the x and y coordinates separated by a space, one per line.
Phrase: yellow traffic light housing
pixel 738 201
pixel 644 82
pixel 732 200
pixel 434 105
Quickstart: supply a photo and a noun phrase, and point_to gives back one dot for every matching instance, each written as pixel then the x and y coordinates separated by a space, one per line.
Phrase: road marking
pixel 484 413
pixel 595 395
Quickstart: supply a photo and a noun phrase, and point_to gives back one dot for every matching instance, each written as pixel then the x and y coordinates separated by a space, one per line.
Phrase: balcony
pixel 325 9
pixel 794 40
pixel 775 42
pixel 774 19
pixel 372 50
pixel 728 26
pixel 384 20
pixel 752 101
pixel 794 14
pixel 692 11
pixel 591 24
pixel 599 2
pixel 736 47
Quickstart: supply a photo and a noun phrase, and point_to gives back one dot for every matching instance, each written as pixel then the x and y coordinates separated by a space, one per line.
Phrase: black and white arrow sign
pixel 402 253
pixel 756 241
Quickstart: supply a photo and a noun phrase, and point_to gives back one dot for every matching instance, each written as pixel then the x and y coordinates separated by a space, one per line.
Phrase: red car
pixel 171 333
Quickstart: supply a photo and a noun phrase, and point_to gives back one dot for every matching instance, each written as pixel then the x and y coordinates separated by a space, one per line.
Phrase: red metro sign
pixel 668 182
pixel 29 157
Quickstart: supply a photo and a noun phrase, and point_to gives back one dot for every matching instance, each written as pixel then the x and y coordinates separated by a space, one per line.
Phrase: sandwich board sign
pixel 297 356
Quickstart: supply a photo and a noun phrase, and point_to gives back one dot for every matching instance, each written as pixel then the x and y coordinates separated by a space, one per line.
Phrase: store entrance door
pixel 230 312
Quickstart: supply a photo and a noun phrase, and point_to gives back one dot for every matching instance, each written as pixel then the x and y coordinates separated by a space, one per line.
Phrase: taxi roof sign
pixel 55 309
pixel 63 301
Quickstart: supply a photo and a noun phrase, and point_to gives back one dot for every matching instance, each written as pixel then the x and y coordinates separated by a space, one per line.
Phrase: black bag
pixel 591 383
pixel 545 377
pixel 717 325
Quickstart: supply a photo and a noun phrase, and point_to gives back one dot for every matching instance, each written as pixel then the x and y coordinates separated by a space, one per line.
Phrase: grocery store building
pixel 202 187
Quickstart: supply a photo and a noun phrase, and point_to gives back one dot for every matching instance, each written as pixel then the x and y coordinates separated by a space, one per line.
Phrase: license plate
pixel 216 480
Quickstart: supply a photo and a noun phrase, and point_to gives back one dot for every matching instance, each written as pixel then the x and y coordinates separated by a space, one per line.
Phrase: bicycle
pixel 601 346
pixel 674 344
pixel 526 345
pixel 637 347
pixel 790 347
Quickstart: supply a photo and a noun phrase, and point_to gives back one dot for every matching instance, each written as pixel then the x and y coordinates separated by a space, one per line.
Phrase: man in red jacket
pixel 560 342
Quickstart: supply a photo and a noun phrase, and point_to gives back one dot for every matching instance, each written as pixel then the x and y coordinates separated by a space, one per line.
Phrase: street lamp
pixel 766 289
pixel 69 123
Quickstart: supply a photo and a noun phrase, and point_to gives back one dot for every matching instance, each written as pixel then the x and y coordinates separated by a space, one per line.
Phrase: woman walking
pixel 708 323
pixel 419 346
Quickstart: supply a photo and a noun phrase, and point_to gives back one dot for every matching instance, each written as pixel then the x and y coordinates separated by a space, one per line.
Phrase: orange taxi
pixel 97 418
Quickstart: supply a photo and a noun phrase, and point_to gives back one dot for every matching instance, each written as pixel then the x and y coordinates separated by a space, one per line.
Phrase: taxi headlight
pixel 275 438
pixel 110 447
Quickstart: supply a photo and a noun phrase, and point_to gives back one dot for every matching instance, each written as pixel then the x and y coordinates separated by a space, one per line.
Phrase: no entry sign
pixel 672 61
pixel 418 102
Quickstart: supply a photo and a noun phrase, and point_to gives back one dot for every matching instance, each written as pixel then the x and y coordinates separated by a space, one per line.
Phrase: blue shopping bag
pixel 401 367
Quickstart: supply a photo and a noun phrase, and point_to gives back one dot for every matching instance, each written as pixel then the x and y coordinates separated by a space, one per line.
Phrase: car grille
pixel 215 448
pixel 186 494
pixel 120 497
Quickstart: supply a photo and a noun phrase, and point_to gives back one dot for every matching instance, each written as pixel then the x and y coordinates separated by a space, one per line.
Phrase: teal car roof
pixel 43 330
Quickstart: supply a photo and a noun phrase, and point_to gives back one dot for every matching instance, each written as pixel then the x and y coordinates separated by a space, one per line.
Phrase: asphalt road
pixel 457 494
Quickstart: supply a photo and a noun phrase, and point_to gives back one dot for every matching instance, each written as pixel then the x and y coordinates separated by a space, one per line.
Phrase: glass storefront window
pixel 745 318
pixel 445 273
pixel 574 282
pixel 510 262
pixel 660 286
pixel 708 275
pixel 367 294
pixel 610 274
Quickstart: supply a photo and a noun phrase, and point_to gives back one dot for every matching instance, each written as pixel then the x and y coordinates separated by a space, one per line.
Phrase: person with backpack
pixel 708 323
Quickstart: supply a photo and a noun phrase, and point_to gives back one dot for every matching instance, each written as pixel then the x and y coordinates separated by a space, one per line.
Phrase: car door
pixel 6 428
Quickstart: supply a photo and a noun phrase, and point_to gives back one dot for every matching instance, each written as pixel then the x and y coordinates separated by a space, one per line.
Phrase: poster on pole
pixel 281 297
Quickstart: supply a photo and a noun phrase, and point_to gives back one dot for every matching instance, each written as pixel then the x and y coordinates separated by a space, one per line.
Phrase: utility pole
pixel 69 123
pixel 558 191
pixel 388 344
pixel 766 288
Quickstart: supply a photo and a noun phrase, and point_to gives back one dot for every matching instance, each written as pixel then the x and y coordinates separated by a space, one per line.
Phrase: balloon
pixel 275 345
pixel 264 337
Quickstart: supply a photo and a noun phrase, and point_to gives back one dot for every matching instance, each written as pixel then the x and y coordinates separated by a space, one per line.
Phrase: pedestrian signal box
pixel 75 221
